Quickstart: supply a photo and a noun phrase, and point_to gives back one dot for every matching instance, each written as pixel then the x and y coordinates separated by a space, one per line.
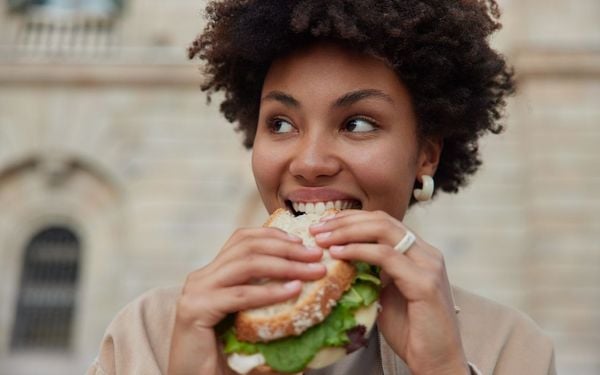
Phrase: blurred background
pixel 117 177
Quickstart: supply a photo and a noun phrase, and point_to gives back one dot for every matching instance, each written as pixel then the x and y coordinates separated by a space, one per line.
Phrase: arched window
pixel 44 313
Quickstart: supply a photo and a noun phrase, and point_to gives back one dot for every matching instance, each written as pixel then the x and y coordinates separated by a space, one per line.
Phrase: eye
pixel 360 125
pixel 279 125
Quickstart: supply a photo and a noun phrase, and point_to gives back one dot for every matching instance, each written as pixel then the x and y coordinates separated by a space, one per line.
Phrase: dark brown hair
pixel 438 48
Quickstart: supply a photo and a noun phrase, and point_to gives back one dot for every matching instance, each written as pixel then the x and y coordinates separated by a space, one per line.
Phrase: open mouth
pixel 299 208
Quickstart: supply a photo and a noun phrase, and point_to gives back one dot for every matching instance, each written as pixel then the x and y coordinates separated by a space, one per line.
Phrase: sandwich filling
pixel 340 329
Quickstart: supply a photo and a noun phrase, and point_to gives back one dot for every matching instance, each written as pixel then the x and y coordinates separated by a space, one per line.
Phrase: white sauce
pixel 243 364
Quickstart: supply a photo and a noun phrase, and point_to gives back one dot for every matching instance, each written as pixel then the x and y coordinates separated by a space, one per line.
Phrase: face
pixel 337 128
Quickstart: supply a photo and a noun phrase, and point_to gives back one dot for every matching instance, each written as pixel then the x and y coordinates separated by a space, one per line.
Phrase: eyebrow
pixel 345 100
pixel 354 96
pixel 282 97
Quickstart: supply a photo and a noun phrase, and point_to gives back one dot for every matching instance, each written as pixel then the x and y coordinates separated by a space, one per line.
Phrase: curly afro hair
pixel 438 48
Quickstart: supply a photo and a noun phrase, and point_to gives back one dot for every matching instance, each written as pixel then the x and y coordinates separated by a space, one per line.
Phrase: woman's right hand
pixel 226 285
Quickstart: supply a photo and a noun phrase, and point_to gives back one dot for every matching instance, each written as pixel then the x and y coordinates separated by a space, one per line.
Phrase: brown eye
pixel 279 125
pixel 359 125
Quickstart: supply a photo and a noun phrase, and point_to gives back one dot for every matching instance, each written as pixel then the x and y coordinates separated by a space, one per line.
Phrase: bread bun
pixel 314 302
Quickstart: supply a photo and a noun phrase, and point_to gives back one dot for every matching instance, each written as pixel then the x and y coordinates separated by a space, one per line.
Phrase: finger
pixel 357 214
pixel 381 231
pixel 242 234
pixel 343 213
pixel 206 309
pixel 281 247
pixel 411 280
pixel 377 227
pixel 244 297
pixel 387 222
pixel 255 267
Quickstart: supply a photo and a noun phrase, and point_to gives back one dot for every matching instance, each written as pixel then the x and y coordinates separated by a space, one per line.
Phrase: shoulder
pixel 148 317
pixel 501 339
pixel 138 338
pixel 481 315
pixel 150 314
pixel 158 302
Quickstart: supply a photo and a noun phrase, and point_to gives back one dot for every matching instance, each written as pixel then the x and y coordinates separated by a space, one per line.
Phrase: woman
pixel 363 102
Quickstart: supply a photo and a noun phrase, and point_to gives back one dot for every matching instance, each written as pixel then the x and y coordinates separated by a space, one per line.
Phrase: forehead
pixel 331 68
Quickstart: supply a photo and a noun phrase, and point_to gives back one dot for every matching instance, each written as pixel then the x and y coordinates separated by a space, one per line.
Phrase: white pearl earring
pixel 426 192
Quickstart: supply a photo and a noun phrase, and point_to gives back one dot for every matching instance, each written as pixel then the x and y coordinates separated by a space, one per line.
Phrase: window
pixel 81 6
pixel 65 28
pixel 46 300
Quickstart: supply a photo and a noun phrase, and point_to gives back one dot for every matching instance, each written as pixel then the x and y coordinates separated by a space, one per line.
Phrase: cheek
pixel 266 167
pixel 260 166
pixel 387 175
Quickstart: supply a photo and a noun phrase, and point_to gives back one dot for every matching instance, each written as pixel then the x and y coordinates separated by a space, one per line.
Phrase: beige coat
pixel 496 339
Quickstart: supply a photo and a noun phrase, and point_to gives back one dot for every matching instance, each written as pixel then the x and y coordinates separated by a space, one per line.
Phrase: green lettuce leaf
pixel 370 278
pixel 367 291
pixel 233 345
pixel 366 272
pixel 292 354
pixel 351 299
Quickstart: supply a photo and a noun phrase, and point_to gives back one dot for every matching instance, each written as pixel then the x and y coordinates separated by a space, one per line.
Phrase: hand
pixel 418 319
pixel 225 286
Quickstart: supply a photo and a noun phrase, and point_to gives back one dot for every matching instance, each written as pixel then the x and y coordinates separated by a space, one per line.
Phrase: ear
pixel 430 150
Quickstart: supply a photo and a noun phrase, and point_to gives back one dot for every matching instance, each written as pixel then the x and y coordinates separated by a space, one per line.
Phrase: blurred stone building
pixel 116 177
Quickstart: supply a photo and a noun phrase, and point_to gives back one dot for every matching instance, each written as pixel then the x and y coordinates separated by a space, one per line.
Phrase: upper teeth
pixel 320 207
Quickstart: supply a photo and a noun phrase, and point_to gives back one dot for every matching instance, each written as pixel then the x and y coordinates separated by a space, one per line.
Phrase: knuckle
pixel 186 308
pixel 192 278
pixel 351 248
pixel 295 250
pixel 241 233
pixel 274 289
pixel 338 233
pixel 272 231
pixel 431 284
pixel 300 269
pixel 438 265
pixel 297 264
pixel 250 244
pixel 251 260
pixel 388 226
pixel 388 252
pixel 241 293
pixel 268 232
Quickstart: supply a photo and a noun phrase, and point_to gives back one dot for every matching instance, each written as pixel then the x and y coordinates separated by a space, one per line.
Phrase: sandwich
pixel 330 318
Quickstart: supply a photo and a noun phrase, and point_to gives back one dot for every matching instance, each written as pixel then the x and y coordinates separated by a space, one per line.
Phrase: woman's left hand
pixel 418 317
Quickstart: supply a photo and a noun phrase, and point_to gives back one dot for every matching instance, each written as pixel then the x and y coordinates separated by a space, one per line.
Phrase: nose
pixel 315 159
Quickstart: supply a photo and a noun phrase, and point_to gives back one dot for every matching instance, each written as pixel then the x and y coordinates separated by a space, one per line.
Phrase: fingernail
pixel 292 285
pixel 323 236
pixel 328 217
pixel 313 249
pixel 317 225
pixel 293 237
pixel 315 266
pixel 336 249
